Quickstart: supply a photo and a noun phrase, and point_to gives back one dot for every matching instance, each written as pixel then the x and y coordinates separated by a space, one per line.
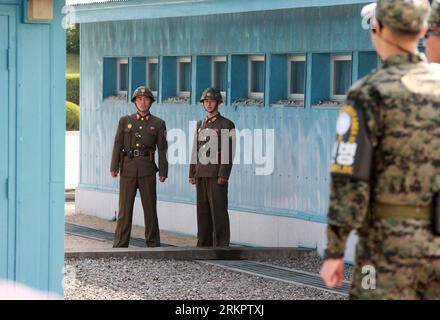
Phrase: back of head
pixel 405 17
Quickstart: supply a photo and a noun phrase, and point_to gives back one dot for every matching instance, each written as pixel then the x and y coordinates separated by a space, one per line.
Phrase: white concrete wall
pixel 246 228
pixel 72 159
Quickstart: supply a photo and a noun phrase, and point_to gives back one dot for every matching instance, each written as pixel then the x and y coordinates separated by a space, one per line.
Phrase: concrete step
pixel 190 253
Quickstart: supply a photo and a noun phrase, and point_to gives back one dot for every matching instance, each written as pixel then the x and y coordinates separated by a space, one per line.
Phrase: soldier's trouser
pixel 127 193
pixel 212 213
pixel 390 266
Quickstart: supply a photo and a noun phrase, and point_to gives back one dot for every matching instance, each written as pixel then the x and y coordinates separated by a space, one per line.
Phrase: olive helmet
pixel 212 94
pixel 142 91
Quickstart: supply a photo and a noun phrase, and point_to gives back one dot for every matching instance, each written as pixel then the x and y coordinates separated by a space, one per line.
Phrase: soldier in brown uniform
pixel 133 157
pixel 210 168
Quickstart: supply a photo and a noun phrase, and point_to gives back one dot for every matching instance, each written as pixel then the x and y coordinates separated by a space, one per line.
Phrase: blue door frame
pixel 8 39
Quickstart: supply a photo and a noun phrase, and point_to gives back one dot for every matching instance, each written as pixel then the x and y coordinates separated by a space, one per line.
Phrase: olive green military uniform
pixel 212 198
pixel 137 139
pixel 399 104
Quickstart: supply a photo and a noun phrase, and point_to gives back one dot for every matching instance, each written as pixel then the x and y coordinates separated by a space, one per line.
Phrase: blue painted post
pixel 278 78
pixel 109 77
pixel 203 72
pixel 138 71
pixel 320 77
pixel 355 67
pixel 368 61
pixel 239 77
pixel 169 77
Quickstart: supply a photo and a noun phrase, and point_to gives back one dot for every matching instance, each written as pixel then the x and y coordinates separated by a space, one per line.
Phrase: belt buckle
pixel 136 153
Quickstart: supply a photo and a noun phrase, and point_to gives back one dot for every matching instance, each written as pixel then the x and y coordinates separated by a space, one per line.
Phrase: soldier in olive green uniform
pixel 386 166
pixel 432 42
pixel 137 138
pixel 210 169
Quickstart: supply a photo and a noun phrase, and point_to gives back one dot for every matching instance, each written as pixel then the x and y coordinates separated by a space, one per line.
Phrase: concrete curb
pixel 190 253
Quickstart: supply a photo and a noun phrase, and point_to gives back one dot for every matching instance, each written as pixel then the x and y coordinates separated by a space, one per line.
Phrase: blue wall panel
pixel 36 122
pixel 299 184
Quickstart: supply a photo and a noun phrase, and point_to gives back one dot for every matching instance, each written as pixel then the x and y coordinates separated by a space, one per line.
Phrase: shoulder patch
pixel 352 150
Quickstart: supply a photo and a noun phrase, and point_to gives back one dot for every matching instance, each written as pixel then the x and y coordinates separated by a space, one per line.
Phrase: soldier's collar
pixel 141 117
pixel 213 118
pixel 404 58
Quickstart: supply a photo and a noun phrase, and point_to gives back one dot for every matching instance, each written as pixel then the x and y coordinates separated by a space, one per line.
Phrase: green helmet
pixel 434 19
pixel 407 16
pixel 142 91
pixel 213 94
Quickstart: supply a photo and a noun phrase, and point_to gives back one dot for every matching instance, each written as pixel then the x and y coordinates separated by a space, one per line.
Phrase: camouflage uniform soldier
pixel 386 166
pixel 136 140
pixel 432 42
pixel 210 169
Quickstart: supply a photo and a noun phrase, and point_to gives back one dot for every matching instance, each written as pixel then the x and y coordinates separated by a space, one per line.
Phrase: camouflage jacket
pixel 401 106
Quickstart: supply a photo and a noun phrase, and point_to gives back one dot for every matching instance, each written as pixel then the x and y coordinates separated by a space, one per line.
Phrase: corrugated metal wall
pixel 298 186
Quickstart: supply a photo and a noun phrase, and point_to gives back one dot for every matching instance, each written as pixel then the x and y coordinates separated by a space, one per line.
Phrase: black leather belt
pixel 134 153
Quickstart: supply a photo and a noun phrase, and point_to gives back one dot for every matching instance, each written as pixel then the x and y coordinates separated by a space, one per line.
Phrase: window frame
pixel 334 58
pixel 290 59
pixel 118 76
pixel 149 61
pixel 251 94
pixel 213 61
pixel 183 94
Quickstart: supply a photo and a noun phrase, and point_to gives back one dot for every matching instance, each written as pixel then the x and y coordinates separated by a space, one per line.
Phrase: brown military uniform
pixel 212 198
pixel 136 141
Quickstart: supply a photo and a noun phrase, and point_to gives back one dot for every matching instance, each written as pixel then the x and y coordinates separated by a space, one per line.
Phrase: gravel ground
pixel 180 280
pixel 312 264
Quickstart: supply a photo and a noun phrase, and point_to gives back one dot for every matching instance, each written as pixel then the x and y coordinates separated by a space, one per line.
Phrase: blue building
pixel 32 133
pixel 283 65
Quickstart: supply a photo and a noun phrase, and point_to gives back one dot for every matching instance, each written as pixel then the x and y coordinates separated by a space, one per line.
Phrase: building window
pixel 341 76
pixel 297 77
pixel 256 77
pixel 219 74
pixel 184 76
pixel 153 74
pixel 122 74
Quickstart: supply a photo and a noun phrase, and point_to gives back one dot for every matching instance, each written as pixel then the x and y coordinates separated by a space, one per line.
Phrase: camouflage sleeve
pixel 348 210
pixel 350 198
pixel 117 146
pixel 162 148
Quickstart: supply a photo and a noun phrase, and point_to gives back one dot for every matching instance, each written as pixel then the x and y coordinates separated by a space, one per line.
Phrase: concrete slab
pixel 189 253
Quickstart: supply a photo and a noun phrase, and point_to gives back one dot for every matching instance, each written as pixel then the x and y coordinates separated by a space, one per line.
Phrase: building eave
pixel 154 9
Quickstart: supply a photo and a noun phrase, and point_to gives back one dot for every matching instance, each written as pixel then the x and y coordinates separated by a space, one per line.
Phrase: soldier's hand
pixel 192 180
pixel 162 179
pixel 332 272
pixel 114 174
pixel 221 180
